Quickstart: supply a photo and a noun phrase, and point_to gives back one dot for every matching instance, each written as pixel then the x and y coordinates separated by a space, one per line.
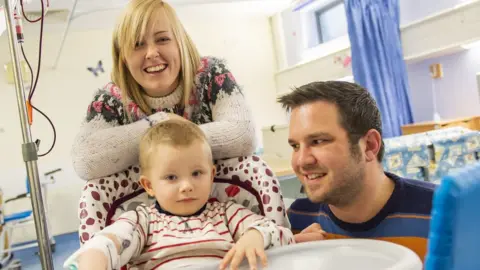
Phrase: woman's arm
pixel 232 132
pixel 105 145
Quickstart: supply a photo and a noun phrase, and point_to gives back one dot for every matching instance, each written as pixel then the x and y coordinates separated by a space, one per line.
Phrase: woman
pixel 158 74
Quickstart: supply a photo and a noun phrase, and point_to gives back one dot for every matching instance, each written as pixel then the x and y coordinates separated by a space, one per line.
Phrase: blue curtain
pixel 377 59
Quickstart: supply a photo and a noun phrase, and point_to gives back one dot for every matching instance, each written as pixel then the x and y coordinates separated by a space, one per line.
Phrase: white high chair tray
pixel 341 254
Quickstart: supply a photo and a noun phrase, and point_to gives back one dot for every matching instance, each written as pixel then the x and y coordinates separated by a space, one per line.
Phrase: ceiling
pixel 82 6
pixel 100 14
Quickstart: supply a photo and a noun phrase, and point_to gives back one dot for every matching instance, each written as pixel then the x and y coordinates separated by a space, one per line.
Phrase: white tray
pixel 344 254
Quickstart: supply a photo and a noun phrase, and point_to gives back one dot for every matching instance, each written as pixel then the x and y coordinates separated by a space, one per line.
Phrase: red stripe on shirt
pixel 188 230
pixel 127 220
pixel 181 237
pixel 183 221
pixel 143 233
pixel 238 224
pixel 234 214
pixel 159 231
pixel 187 257
pixel 229 206
pixel 200 219
pixel 185 244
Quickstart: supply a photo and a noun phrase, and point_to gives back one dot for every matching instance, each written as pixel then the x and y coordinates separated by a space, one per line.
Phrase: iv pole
pixel 29 149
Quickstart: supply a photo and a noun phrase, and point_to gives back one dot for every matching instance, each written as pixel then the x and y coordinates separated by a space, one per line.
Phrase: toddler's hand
pixel 250 245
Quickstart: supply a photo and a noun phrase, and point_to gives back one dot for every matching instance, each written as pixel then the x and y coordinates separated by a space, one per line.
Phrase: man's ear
pixel 147 185
pixel 373 143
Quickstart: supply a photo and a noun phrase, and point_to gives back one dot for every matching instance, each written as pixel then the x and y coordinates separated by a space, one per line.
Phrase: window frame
pixel 317 13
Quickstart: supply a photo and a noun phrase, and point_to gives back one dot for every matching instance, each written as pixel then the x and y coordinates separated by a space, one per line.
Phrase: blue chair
pixel 454 240
pixel 12 221
pixel 19 215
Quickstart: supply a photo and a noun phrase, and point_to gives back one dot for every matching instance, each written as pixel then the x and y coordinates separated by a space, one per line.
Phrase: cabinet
pixel 472 123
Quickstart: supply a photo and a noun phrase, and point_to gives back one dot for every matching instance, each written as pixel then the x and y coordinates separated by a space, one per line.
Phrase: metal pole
pixel 29 149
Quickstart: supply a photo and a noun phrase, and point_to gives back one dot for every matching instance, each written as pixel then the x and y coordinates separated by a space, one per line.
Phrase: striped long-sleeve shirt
pixel 159 240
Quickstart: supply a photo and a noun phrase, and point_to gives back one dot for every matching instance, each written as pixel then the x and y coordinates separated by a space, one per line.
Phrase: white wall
pixel 247 44
pixel 293 36
pixel 457 93
pixel 414 10
pixel 421 40
pixel 300 33
pixel 278 38
pixel 243 39
pixel 297 30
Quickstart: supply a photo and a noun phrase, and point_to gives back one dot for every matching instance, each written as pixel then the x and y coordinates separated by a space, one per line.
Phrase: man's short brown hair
pixel 357 109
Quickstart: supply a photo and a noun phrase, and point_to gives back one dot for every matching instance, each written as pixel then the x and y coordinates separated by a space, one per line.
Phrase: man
pixel 336 136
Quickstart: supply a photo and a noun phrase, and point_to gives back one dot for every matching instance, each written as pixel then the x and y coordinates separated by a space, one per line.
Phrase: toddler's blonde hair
pixel 174 133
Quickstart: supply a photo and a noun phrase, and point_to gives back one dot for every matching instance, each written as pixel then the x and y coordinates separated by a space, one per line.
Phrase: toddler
pixel 183 228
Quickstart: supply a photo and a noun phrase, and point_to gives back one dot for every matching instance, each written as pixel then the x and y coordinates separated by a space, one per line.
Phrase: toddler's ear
pixel 147 185
pixel 214 171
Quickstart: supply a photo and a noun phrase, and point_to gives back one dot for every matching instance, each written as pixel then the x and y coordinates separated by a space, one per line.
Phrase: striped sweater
pixel 404 220
pixel 109 136
pixel 159 240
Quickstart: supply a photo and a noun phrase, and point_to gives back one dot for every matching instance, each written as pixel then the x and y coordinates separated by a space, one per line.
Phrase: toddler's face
pixel 180 178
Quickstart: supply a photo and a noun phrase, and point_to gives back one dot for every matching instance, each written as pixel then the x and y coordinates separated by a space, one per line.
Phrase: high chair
pixel 247 180
pixel 6 256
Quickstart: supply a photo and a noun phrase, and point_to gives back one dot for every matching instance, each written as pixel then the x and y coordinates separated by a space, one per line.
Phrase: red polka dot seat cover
pixel 247 180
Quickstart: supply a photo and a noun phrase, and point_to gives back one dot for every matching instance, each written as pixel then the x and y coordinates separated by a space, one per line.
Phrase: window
pixel 331 21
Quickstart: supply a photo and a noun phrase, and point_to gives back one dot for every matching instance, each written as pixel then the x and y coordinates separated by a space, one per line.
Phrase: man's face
pixel 328 166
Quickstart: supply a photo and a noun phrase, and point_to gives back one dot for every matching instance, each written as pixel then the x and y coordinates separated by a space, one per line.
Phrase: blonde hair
pixel 175 133
pixel 131 27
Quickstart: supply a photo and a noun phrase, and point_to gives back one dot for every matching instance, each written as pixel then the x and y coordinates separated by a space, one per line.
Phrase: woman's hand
pixel 163 116
pixel 172 116
pixel 313 232
pixel 250 245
